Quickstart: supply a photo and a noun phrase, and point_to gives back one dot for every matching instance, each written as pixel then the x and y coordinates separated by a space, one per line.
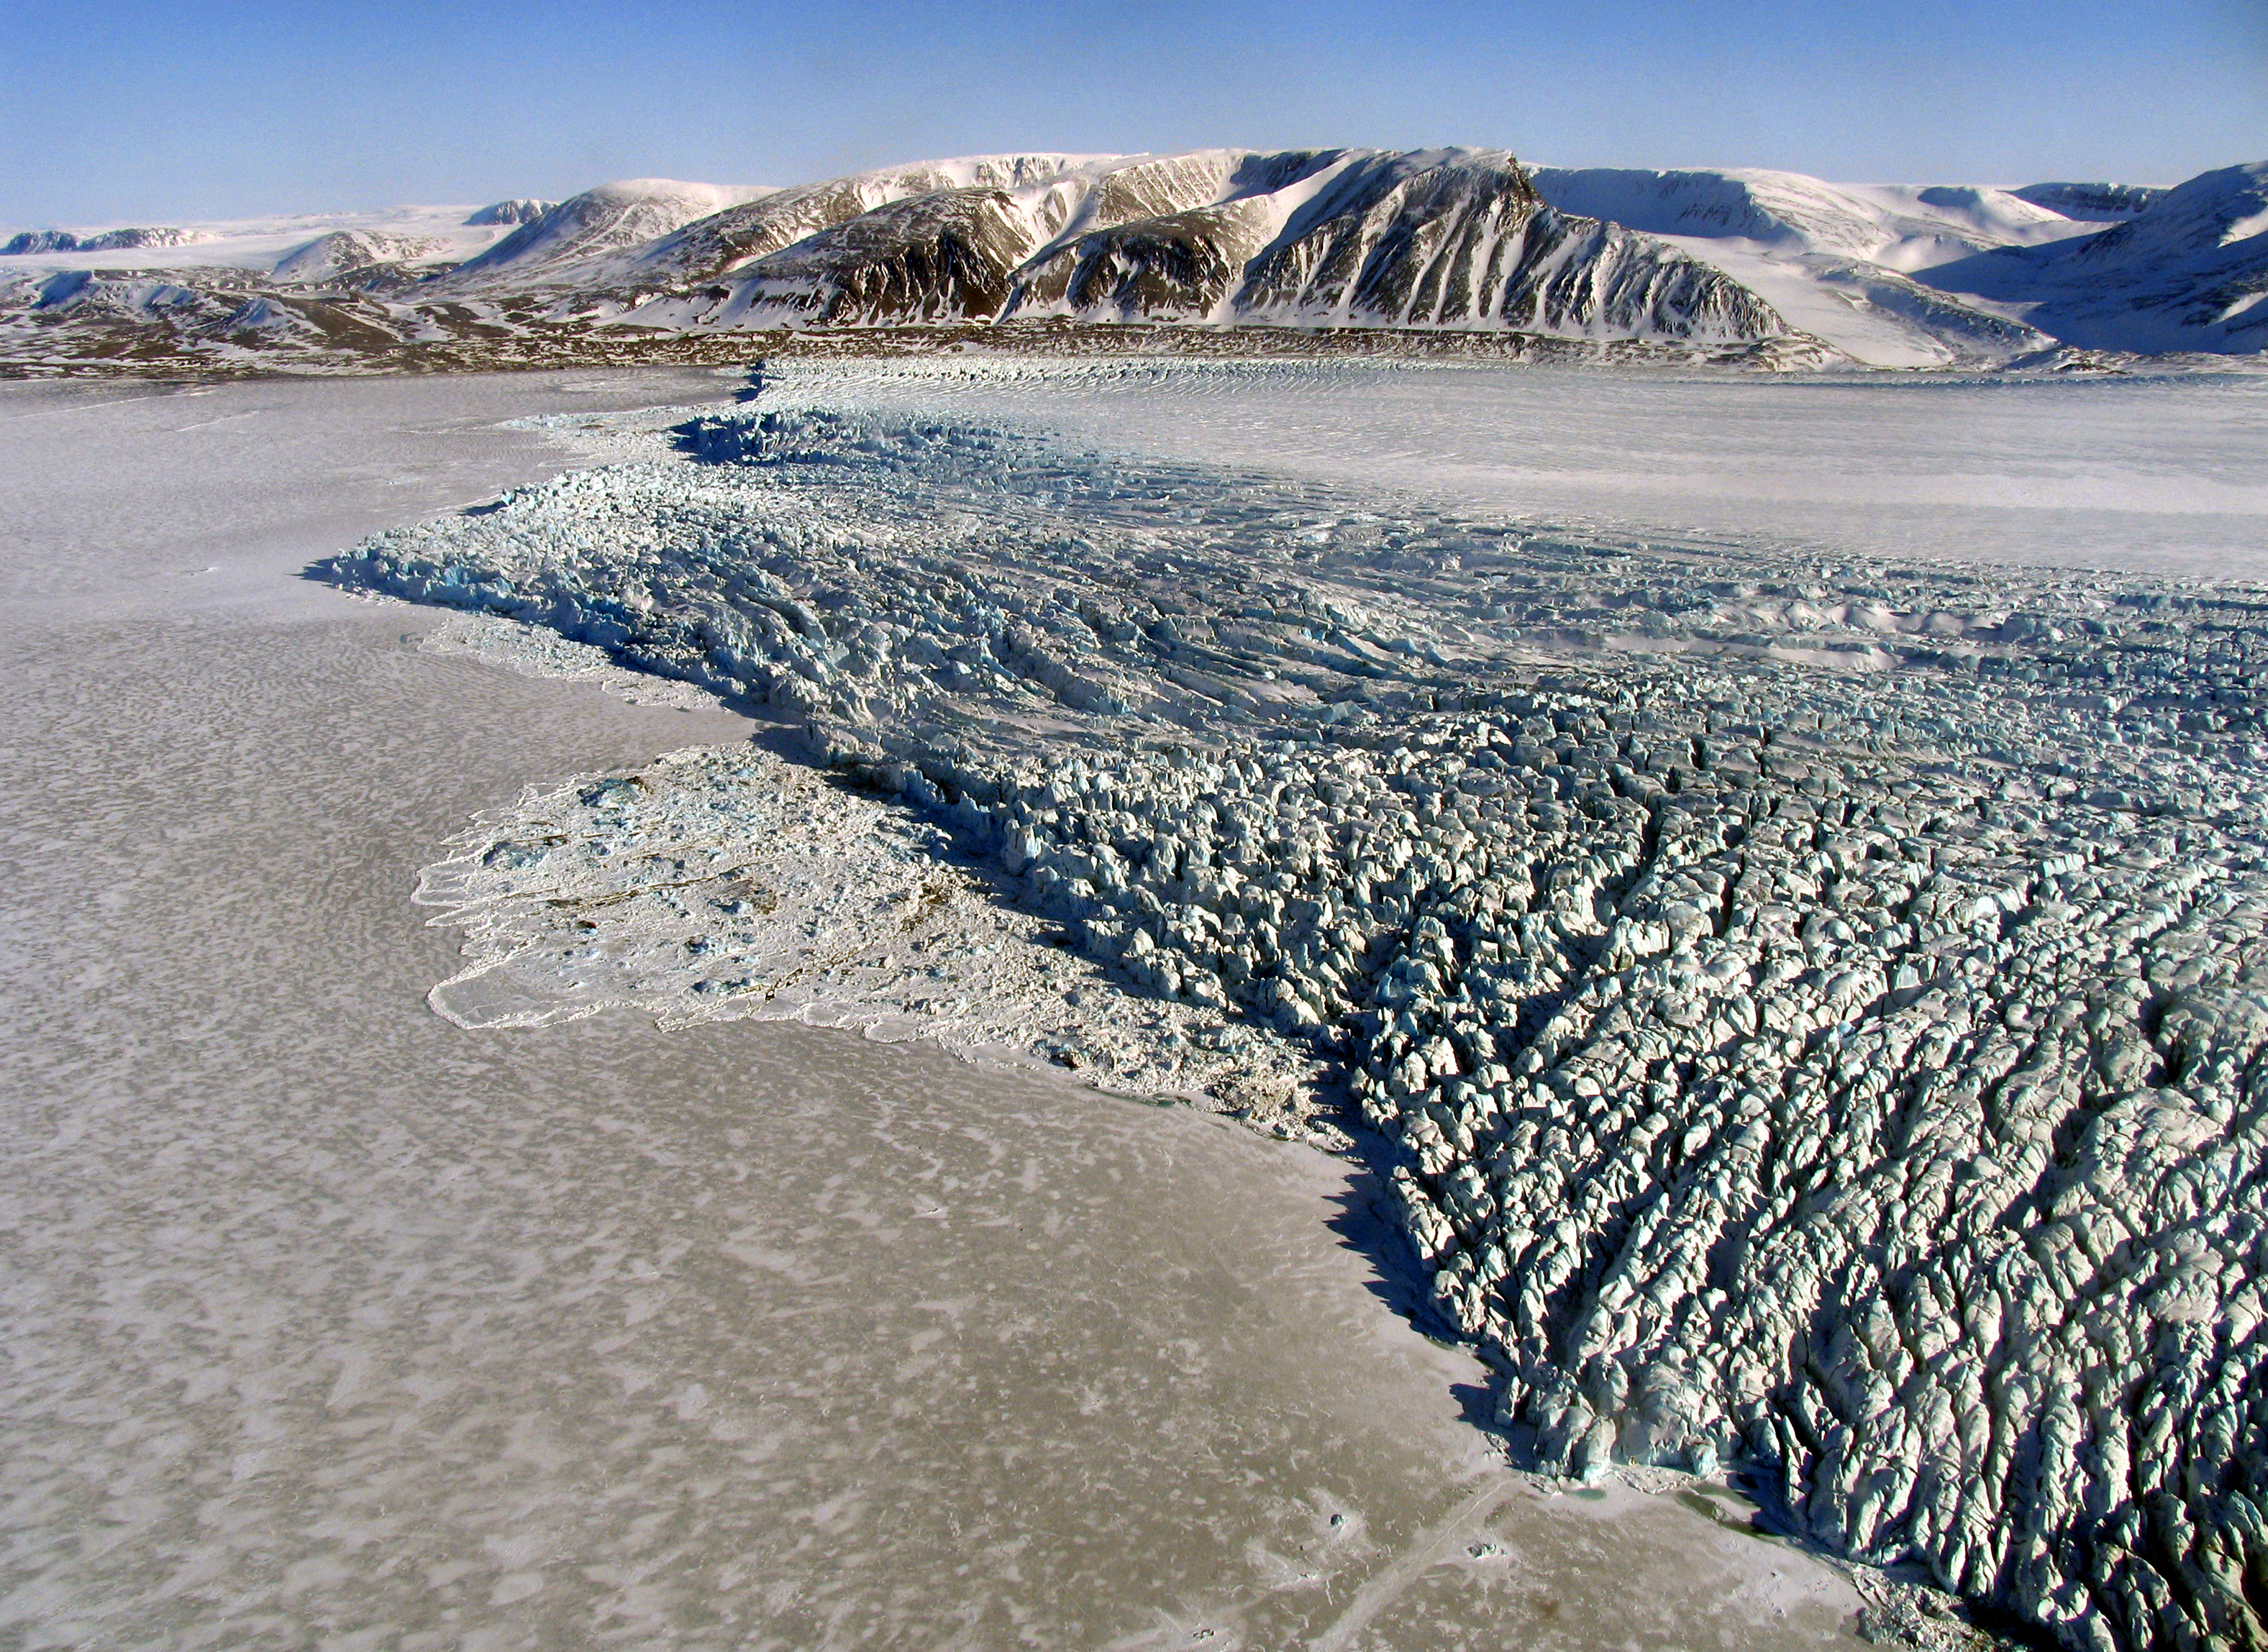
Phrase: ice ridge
pixel 1816 1010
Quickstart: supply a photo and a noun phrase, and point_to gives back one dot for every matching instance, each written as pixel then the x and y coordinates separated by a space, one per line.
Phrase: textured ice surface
pixel 1816 1000
pixel 723 884
pixel 327 1321
pixel 2154 473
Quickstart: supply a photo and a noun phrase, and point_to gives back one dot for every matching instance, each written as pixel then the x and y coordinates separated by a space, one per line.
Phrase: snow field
pixel 1816 1006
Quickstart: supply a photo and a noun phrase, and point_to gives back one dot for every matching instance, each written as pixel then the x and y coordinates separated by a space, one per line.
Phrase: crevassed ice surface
pixel 1815 994
pixel 325 1321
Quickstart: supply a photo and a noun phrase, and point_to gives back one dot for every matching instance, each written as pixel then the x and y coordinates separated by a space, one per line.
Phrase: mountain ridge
pixel 1456 242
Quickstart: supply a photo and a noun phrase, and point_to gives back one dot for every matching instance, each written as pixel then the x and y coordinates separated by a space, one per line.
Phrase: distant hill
pixel 2187 272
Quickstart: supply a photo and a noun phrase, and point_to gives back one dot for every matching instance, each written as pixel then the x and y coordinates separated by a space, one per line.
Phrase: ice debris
pixel 718 883
pixel 1822 1008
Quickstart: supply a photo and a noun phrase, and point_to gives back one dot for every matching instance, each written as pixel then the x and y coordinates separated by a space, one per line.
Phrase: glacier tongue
pixel 1814 1010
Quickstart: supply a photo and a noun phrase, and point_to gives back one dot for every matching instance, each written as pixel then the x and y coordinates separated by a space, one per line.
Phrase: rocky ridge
pixel 1815 1008
pixel 31 242
pixel 1451 238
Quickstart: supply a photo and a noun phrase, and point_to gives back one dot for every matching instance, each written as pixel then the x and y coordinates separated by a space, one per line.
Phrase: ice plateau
pixel 1813 1007
pixel 1263 252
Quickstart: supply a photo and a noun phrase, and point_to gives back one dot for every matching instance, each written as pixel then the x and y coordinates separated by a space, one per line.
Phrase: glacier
pixel 1809 1004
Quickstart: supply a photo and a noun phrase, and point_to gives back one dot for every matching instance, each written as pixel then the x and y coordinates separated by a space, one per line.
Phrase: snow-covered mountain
pixel 1447 239
pixel 1453 243
pixel 344 254
pixel 1837 260
pixel 2187 272
pixel 253 244
pixel 563 241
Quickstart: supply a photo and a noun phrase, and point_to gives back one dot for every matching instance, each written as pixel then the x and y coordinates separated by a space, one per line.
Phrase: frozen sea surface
pixel 329 1322
pixel 2146 474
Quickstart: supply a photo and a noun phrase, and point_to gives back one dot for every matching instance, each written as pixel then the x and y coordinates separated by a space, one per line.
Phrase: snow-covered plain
pixel 1810 997
pixel 327 1321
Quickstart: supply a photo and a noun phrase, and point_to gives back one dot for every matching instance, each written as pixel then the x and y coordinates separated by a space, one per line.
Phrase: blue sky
pixel 172 108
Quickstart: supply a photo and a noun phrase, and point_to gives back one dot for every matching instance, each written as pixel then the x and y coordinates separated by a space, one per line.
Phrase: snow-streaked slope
pixel 1045 195
pixel 945 255
pixel 1460 239
pixel 963 239
pixel 1868 311
pixel 1447 239
pixel 2091 203
pixel 2189 272
pixel 1835 260
pixel 1899 227
pixel 705 246
pixel 607 219
pixel 1167 238
pixel 344 253
pixel 1766 264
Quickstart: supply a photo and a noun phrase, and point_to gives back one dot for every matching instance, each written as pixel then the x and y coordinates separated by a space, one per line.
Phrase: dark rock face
pixel 518 211
pixel 723 243
pixel 946 256
pixel 1172 268
pixel 1446 240
pixel 40 241
pixel 1468 243
pixel 1169 238
pixel 1579 275
pixel 708 247
pixel 1452 239
pixel 1393 239
pixel 1460 244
